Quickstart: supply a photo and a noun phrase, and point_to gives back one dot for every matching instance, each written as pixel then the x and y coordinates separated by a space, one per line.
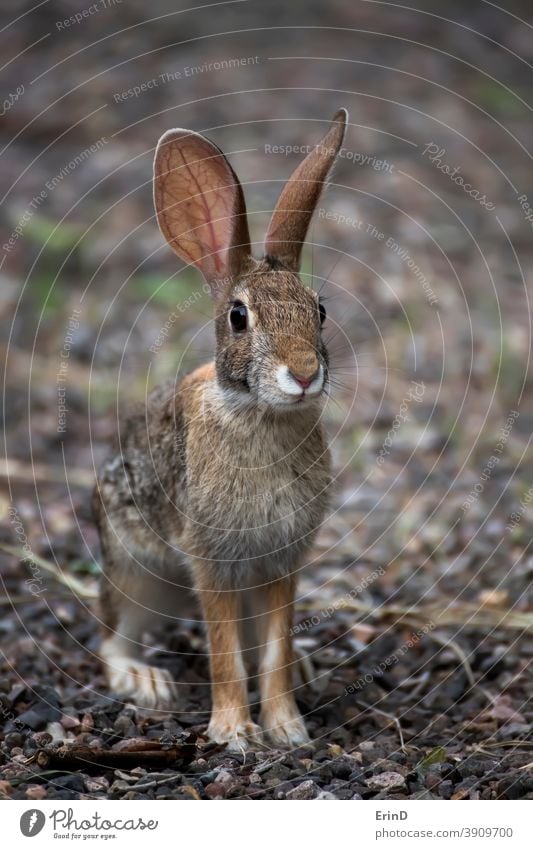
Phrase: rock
pixel 73 782
pixel 433 780
pixel 386 781
pixel 43 709
pixel 514 729
pixel 209 776
pixel 280 792
pixel 326 771
pixel 386 765
pixel 511 787
pixel 476 766
pixel 342 792
pixel 463 789
pixel 342 768
pixel 96 785
pixel 435 774
pixel 35 791
pixel 56 731
pixel 187 791
pixel 87 722
pixel 13 739
pixel 134 796
pixel 118 787
pixel 424 794
pixel 163 792
pixel 124 726
pixel 33 719
pixel 325 794
pixel 70 723
pixel 40 739
pixel 445 789
pixel 298 772
pixel 305 790
pixel 277 770
pixel 224 778
pixel 397 758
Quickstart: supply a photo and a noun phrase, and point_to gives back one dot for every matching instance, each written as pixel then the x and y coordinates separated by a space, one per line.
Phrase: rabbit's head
pixel 268 324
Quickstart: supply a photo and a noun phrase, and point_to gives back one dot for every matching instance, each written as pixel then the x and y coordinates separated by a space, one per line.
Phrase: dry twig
pixel 73 584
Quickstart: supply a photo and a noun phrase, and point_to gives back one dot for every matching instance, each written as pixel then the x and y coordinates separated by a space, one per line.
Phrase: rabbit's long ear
pixel 200 205
pixel 295 207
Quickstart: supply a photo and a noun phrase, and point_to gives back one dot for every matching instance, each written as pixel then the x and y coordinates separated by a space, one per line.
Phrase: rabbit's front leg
pixel 230 717
pixel 280 717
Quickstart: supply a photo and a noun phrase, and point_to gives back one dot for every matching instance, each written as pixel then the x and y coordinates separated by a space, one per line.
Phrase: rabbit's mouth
pixel 297 387
pixel 288 390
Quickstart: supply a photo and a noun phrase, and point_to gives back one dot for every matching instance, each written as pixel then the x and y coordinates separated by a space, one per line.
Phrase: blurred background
pixel 421 248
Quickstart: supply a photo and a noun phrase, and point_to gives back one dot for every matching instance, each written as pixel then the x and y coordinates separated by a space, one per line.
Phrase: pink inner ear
pixel 196 196
pixel 207 207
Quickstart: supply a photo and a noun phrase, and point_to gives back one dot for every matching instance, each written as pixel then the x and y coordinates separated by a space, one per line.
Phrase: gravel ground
pixel 398 706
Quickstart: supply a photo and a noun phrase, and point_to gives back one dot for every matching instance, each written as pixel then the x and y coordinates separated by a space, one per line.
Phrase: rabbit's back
pixel 141 486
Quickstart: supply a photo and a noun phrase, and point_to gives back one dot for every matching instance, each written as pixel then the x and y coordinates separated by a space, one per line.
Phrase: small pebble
pixel 70 723
pixel 385 781
pixel 35 791
pixel 13 739
pixel 215 790
pixel 224 778
pixel 305 790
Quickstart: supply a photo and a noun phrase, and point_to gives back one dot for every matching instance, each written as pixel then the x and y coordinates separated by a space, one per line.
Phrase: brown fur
pixel 220 485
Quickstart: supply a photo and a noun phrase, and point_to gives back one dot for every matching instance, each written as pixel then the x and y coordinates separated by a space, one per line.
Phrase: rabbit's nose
pixel 305 381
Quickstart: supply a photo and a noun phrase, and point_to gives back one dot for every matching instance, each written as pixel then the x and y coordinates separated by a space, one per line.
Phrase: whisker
pixel 332 399
pixel 360 366
pixel 336 382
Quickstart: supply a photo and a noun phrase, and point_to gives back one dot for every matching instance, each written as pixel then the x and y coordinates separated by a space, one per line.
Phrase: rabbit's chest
pixel 257 497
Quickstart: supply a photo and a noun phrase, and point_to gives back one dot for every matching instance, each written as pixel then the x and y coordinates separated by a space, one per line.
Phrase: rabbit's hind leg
pixel 132 601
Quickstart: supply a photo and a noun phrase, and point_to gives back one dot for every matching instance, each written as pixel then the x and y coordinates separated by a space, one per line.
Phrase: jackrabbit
pixel 222 481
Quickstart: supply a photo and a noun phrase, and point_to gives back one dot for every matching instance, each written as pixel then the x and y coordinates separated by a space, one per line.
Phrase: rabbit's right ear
pixel 200 206
pixel 295 207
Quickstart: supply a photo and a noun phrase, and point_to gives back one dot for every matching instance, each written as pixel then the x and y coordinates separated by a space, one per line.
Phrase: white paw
pixel 237 733
pixel 146 686
pixel 285 731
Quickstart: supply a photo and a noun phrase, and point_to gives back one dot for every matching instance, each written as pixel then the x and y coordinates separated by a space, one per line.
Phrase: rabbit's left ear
pixel 294 209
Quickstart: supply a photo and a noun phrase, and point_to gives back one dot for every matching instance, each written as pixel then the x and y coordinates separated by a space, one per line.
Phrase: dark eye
pixel 322 312
pixel 238 317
